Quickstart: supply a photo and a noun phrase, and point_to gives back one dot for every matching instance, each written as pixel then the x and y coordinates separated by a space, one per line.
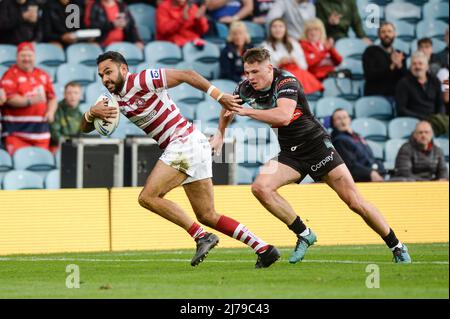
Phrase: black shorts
pixel 316 163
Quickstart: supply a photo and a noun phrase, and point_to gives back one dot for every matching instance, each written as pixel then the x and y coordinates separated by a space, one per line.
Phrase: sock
pixel 234 229
pixel 298 227
pixel 196 231
pixel 392 241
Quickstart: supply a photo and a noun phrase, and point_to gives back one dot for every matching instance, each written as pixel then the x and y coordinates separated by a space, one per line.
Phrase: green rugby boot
pixel 303 242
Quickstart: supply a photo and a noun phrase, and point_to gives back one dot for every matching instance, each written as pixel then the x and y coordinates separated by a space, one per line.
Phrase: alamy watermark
pixel 73 279
pixel 373 279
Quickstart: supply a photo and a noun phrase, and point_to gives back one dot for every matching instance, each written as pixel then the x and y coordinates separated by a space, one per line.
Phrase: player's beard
pixel 387 42
pixel 118 85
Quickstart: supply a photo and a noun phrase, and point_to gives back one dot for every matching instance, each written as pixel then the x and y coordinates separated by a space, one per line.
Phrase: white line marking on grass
pixel 319 261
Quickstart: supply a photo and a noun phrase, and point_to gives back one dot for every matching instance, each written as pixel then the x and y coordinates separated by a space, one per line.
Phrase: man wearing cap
pixel 30 103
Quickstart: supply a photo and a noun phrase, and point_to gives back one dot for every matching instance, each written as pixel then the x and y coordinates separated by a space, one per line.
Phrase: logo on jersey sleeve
pixel 155 74
pixel 285 81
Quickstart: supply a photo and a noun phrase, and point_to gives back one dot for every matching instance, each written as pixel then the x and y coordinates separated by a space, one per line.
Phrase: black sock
pixel 391 240
pixel 297 226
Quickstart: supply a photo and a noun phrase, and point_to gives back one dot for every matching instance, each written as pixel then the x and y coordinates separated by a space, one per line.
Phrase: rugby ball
pixel 101 126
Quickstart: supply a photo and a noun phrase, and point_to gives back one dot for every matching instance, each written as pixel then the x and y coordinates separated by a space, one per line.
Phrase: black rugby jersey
pixel 304 130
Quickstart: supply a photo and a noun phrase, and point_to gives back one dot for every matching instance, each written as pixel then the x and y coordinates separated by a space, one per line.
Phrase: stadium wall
pixel 44 221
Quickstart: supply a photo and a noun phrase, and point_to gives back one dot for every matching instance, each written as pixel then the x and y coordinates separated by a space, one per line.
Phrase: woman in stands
pixel 238 42
pixel 287 54
pixel 320 54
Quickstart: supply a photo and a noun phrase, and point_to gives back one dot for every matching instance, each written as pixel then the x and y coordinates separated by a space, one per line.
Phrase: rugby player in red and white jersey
pixel 187 160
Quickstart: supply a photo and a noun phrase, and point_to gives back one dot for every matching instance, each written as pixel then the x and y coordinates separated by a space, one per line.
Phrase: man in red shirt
pixel 30 103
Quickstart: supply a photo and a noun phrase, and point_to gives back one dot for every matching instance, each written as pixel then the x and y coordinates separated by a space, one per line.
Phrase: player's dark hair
pixel 72 84
pixel 285 40
pixel 256 55
pixel 424 41
pixel 113 56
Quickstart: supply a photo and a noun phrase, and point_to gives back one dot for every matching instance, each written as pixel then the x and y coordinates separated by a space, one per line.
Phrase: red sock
pixel 196 231
pixel 234 229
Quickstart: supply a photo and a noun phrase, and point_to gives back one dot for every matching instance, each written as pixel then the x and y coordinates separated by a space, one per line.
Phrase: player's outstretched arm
pixel 177 77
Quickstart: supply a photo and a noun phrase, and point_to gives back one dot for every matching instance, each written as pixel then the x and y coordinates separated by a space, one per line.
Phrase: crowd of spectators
pixel 300 34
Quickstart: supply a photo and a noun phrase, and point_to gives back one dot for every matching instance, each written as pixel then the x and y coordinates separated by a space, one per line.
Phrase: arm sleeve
pixel 153 80
pixel 49 89
pixel 287 88
pixel 9 86
pixel 358 171
pixel 374 68
pixel 356 21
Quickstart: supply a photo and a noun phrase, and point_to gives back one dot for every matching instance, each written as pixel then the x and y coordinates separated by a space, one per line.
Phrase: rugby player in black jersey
pixel 276 97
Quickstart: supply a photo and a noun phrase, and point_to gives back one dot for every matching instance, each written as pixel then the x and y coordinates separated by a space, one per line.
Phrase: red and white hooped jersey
pixel 144 100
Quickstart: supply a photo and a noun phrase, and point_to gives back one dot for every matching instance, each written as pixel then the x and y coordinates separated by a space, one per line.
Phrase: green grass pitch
pixel 326 272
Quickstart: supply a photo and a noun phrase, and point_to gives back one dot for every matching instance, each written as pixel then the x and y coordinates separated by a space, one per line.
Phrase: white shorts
pixel 190 155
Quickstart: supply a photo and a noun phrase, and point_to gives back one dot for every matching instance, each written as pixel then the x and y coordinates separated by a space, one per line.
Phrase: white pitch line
pixel 319 261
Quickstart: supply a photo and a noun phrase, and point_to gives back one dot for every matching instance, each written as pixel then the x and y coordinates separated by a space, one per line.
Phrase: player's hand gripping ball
pixel 103 127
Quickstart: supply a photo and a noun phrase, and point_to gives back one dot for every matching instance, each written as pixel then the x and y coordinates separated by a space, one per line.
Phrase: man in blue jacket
pixel 354 150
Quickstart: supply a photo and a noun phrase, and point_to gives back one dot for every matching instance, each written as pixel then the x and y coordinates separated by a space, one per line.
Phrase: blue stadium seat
pixel 83 53
pixel 144 33
pixel 405 31
pixel 58 158
pixel 431 29
pixel 126 128
pixel 186 94
pixel 256 31
pixel 443 144
pixel 377 150
pixel 52 180
pixel 33 159
pixel 208 113
pixel 403 11
pixel 74 72
pixel 326 106
pixel 163 52
pixel 371 33
pixel 344 88
pixel 374 106
pixel 144 15
pixel 370 128
pixel 391 149
pixel 351 48
pixel 130 51
pixel 401 127
pixel 210 53
pixel 355 66
pixel 49 54
pixel 6 164
pixel 210 71
pixel 20 179
pixel 3 70
pixel 254 132
pixel 93 91
pixel 59 90
pixel 246 175
pixel 249 155
pixel 7 54
pixel 187 110
pixel 436 11
pixel 419 3
pixel 225 85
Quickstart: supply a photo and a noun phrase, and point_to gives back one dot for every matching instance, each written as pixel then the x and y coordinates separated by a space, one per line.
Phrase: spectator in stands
pixel 383 65
pixel 338 16
pixel 320 53
pixel 425 45
pixel 354 150
pixel 294 13
pixel 30 105
pixel 260 10
pixel 114 20
pixel 419 95
pixel 19 21
pixel 443 75
pixel 180 21
pixel 286 53
pixel 227 11
pixel 420 159
pixel 54 24
pixel 238 42
pixel 68 116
